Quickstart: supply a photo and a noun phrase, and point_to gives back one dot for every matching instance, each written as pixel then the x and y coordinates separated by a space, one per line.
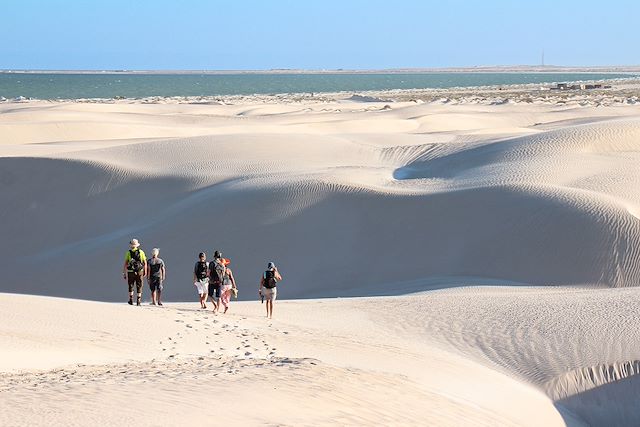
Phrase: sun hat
pixel 134 243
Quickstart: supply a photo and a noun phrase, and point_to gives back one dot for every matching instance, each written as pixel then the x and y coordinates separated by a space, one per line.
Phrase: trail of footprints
pixel 249 349
pixel 211 327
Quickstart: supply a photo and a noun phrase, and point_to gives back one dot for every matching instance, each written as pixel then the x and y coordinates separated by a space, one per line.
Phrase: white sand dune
pixel 351 199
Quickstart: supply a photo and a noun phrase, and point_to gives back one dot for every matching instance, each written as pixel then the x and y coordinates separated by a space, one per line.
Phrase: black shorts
pixel 155 284
pixel 134 279
pixel 214 290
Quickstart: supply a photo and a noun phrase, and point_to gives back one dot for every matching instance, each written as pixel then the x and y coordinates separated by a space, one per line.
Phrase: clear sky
pixel 315 34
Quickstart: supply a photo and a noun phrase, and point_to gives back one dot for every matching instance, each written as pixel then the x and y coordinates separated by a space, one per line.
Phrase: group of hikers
pixel 212 279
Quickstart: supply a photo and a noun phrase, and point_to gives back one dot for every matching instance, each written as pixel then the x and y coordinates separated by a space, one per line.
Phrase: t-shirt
pixel 155 267
pixel 127 256
pixel 200 269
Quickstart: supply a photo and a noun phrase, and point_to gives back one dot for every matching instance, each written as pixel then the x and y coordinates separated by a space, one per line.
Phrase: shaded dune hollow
pixel 504 210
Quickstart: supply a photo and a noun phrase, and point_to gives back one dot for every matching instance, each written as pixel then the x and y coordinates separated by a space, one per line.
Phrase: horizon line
pixel 488 68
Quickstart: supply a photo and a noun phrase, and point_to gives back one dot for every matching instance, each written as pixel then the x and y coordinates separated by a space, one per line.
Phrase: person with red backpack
pixel 267 289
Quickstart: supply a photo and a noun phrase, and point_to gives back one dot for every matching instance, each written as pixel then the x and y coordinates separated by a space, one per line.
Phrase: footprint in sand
pixel 247 353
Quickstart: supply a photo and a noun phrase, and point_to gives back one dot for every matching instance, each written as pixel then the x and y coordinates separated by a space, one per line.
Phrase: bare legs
pixel 269 308
pixel 215 303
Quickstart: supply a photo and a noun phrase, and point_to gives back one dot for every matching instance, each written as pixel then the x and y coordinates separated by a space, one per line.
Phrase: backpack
pixel 269 279
pixel 201 270
pixel 213 273
pixel 135 263
pixel 218 271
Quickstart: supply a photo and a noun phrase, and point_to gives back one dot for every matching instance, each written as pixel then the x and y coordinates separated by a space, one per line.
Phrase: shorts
pixel 214 290
pixel 155 284
pixel 270 294
pixel 202 285
pixel 134 279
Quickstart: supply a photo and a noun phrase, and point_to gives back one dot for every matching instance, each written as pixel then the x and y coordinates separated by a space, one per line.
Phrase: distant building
pixel 582 86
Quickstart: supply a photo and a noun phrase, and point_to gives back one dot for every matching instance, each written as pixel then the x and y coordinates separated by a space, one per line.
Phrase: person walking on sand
pixel 215 280
pixel 134 269
pixel 227 286
pixel 267 289
pixel 200 279
pixel 157 273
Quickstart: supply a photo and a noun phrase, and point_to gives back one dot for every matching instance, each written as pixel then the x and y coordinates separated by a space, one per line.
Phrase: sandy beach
pixel 460 257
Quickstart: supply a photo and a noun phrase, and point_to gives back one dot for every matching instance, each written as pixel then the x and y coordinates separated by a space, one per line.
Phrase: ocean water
pixel 111 85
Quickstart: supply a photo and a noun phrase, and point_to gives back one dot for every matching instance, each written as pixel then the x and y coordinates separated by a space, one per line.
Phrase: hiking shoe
pixel 159 303
pixel 130 302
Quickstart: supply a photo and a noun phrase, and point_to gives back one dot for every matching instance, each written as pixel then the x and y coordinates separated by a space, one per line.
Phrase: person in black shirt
pixel 267 289
pixel 201 279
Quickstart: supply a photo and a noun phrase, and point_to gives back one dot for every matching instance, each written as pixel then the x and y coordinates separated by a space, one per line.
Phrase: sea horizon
pixel 129 84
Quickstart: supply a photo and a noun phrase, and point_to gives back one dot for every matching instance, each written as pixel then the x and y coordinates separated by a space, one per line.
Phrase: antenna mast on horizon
pixel 542 63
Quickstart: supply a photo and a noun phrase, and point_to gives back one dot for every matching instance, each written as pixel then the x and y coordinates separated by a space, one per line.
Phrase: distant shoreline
pixel 478 69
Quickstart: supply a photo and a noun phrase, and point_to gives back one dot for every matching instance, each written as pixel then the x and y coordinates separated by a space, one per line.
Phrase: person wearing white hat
pixel 134 269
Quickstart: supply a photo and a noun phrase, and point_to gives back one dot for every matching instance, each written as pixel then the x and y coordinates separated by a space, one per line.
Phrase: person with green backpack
pixel 135 268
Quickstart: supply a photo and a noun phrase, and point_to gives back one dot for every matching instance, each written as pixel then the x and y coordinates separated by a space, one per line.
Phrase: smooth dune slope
pixel 554 206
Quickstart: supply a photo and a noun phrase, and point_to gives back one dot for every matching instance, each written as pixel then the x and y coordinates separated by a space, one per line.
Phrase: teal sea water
pixel 73 86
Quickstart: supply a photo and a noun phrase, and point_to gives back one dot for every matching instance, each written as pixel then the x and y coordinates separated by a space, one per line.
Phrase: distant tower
pixel 542 62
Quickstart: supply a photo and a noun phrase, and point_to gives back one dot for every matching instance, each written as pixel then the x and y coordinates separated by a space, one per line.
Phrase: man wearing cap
pixel 267 289
pixel 134 269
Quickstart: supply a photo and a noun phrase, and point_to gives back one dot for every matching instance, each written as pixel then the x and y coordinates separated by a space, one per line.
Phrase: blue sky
pixel 322 34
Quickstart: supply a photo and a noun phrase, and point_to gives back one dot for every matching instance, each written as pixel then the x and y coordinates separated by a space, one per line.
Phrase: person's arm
pixel 163 271
pixel 145 271
pixel 277 276
pixel 125 267
pixel 195 270
pixel 233 281
pixel 261 284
